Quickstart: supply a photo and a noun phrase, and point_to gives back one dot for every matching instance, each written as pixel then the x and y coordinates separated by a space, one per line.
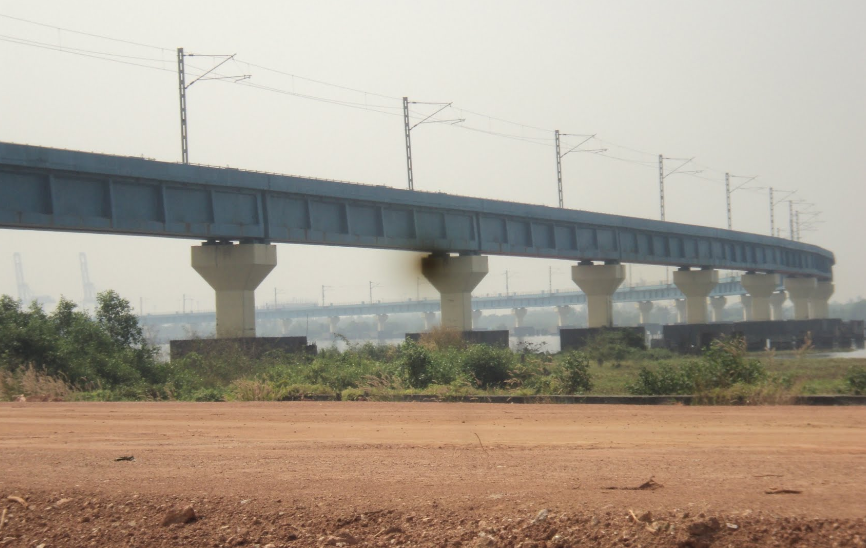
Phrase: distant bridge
pixel 726 287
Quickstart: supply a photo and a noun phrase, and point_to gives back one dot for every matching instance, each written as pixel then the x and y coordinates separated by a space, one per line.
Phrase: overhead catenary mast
pixel 24 293
pixel 181 77
pixel 560 156
pixel 89 288
pixel 773 204
pixel 797 222
pixel 663 176
pixel 407 130
pixel 183 86
pixel 729 191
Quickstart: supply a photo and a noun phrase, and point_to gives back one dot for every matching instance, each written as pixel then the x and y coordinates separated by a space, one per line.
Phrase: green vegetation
pixel 856 379
pixel 106 351
pixel 72 355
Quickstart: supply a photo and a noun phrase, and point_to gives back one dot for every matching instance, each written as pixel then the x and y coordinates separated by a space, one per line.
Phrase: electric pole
pixel 558 169
pixel 323 293
pixel 809 220
pixel 663 176
pixel 560 156
pixel 407 130
pixel 181 79
pixel 728 193
pixel 662 185
pixel 773 204
pixel 797 221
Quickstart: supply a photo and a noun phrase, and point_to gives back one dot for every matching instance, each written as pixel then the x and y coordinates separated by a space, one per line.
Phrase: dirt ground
pixel 430 474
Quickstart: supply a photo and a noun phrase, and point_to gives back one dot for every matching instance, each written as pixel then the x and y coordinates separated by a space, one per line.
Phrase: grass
pixel 792 374
pixel 813 375
pixel 805 375
pixel 34 385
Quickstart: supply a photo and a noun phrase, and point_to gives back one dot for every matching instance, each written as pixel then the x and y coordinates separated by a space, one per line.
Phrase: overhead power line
pixel 470 118
pixel 352 104
pixel 103 56
pixel 72 31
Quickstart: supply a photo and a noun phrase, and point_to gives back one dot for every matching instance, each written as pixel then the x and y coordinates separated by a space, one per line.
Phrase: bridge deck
pixel 53 189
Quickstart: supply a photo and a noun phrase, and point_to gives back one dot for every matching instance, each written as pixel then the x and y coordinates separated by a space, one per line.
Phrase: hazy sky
pixel 774 89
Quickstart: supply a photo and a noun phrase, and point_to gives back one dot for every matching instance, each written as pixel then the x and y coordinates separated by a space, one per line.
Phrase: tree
pixel 114 314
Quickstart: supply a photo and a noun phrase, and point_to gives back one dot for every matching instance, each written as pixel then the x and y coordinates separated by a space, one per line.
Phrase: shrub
pixel 415 362
pixel 769 392
pixel 667 380
pixel 531 372
pixel 723 365
pixel 573 375
pixel 489 365
pixel 376 352
pixel 442 338
pixel 209 395
pixel 447 367
pixel 299 391
pixel 613 345
pixel 657 354
pixel 856 379
pixel 353 394
pixel 254 390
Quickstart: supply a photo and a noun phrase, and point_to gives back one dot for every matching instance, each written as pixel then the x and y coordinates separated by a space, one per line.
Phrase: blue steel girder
pixel 54 189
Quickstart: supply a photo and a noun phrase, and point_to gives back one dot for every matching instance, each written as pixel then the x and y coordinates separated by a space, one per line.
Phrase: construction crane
pixel 24 294
pixel 89 288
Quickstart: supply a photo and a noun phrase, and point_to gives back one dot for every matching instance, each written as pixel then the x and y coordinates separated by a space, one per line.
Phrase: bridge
pixel 562 301
pixel 53 189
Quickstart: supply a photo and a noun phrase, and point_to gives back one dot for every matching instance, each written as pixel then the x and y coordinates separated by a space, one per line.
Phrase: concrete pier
pixel 800 291
pixel 598 282
pixel 680 305
pixel 562 314
pixel 380 322
pixel 820 303
pixel 455 277
pixel 285 323
pixel 476 316
pixel 645 307
pixel 777 300
pixel 519 317
pixel 696 285
pixel 429 320
pixel 718 306
pixel 760 287
pixel 234 271
pixel 746 301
